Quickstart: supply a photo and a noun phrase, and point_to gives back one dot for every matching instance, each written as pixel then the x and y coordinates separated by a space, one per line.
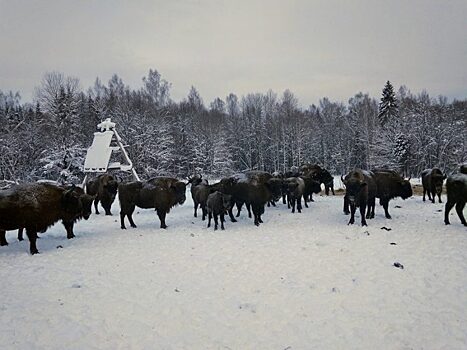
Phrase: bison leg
pixel 107 210
pixel 96 202
pixel 447 209
pixel 332 189
pixel 69 229
pixel 122 220
pixel 203 209
pixel 299 204
pixel 3 240
pixel 305 199
pixel 283 199
pixel 439 198
pixel 209 219
pixel 362 214
pixel 433 196
pixel 346 205
pixel 261 212
pixel 196 210
pixel 459 208
pixel 130 219
pixel 293 205
pixel 239 208
pixel 256 214
pixel 326 190
pixel 128 211
pixel 216 221
pixel 353 208
pixel 231 215
pixel 371 207
pixel 222 221
pixel 385 204
pixel 20 235
pixel 32 235
pixel 248 208
pixel 161 214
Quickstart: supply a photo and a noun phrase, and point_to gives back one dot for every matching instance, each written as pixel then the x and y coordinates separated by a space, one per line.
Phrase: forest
pixel 271 131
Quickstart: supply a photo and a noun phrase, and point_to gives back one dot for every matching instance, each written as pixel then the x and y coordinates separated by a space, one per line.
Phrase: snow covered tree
pixel 388 108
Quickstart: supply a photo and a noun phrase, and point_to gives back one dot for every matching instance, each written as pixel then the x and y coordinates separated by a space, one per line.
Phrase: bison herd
pixel 36 206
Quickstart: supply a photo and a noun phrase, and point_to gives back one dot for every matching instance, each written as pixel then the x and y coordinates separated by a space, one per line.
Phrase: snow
pixel 299 281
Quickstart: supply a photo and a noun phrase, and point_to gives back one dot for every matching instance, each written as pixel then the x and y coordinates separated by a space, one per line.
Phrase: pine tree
pixel 401 152
pixel 388 108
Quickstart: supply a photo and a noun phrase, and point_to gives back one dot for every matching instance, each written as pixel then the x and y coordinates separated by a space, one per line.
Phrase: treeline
pixel 266 131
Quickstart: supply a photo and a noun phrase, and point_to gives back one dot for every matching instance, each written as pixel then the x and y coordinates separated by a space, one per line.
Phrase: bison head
pixel 405 189
pixel 86 202
pixel 354 189
pixel 71 200
pixel 226 202
pixel 195 180
pixel 275 186
pixel 179 189
pixel 290 187
pixel 227 184
pixel 315 186
pixel 111 187
pixel 437 181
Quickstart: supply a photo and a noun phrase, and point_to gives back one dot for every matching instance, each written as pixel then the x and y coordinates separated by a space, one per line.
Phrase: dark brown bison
pixel 456 187
pixel 218 204
pixel 104 187
pixel 161 193
pixel 389 185
pixel 254 188
pixel 36 207
pixel 86 201
pixel 319 174
pixel 200 191
pixel 432 181
pixel 360 192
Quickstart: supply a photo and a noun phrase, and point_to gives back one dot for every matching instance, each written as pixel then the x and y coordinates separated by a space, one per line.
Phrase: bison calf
pixel 218 204
pixel 456 187
pixel 199 192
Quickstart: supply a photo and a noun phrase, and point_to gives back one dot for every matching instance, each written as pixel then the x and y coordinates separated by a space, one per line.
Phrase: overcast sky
pixel 314 48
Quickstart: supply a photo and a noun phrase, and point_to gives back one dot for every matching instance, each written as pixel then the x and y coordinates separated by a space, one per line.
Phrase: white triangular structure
pixel 98 155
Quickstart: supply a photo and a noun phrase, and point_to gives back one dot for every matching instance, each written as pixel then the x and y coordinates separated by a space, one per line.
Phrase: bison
pixel 295 189
pixel 86 201
pixel 104 187
pixel 36 207
pixel 389 185
pixel 218 204
pixel 160 193
pixel 254 188
pixel 432 181
pixel 456 188
pixel 200 191
pixel 360 192
pixel 319 174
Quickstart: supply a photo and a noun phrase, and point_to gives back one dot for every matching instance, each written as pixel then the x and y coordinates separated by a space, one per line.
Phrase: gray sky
pixel 314 48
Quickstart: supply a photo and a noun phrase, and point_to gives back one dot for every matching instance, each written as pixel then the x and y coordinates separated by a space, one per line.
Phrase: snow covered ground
pixel 300 281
